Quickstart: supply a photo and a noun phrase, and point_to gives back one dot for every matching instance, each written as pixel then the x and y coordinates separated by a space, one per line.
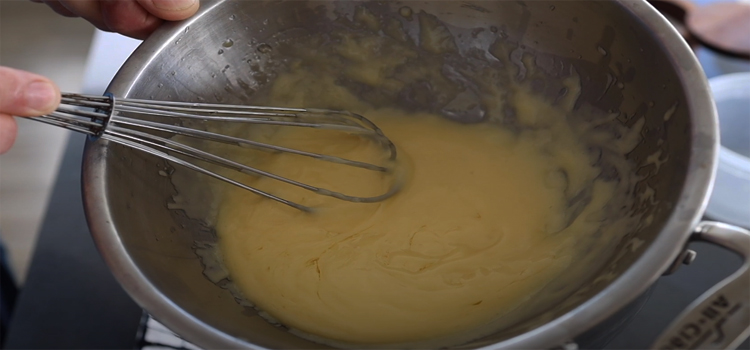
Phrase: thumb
pixel 171 10
pixel 25 94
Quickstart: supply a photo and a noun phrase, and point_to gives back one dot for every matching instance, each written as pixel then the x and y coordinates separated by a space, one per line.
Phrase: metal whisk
pixel 112 119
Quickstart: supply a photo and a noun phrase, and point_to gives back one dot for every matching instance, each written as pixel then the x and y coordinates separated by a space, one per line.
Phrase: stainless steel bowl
pixel 150 248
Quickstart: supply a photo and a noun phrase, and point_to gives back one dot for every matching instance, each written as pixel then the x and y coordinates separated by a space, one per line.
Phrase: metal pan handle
pixel 720 318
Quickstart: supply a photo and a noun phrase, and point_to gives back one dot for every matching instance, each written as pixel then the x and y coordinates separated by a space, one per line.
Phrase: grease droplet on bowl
pixel 405 11
pixel 265 48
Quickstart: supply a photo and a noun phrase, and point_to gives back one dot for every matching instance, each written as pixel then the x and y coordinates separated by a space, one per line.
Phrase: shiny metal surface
pixel 123 121
pixel 720 318
pixel 150 248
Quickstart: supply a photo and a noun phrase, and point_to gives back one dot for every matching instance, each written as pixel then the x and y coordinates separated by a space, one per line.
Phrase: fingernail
pixel 40 96
pixel 173 5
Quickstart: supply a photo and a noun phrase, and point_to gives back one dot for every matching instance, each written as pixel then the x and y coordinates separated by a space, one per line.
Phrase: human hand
pixel 26 94
pixel 134 18
pixel 23 94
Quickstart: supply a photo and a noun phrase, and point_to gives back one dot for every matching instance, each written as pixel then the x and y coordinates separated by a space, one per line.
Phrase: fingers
pixel 134 18
pixel 88 9
pixel 170 10
pixel 26 94
pixel 57 7
pixel 128 18
pixel 8 131
pixel 23 94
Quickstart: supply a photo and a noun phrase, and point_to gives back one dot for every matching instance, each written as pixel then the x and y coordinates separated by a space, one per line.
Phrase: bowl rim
pixel 633 282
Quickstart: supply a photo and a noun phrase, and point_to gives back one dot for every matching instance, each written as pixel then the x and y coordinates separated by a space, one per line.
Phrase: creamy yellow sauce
pixel 468 238
pixel 477 231
pixel 488 228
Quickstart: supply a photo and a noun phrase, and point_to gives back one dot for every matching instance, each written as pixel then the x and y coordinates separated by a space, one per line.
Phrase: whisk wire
pixel 173 146
pixel 176 160
pixel 210 136
pixel 113 119
pixel 242 117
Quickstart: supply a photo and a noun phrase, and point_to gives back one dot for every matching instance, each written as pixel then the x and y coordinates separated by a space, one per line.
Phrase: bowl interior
pixel 623 69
